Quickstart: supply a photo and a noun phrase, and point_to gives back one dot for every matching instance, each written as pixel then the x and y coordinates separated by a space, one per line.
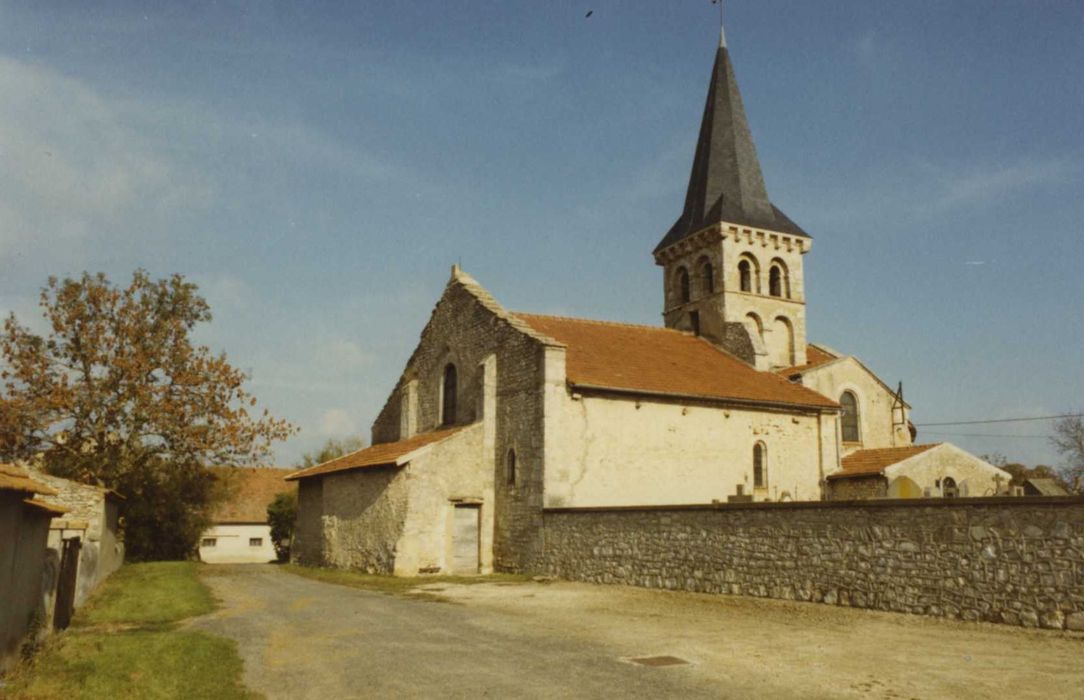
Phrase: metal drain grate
pixel 659 661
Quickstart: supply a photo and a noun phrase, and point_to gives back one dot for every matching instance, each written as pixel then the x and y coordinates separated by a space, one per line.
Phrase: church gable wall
pixel 874 403
pixel 628 452
pixel 466 328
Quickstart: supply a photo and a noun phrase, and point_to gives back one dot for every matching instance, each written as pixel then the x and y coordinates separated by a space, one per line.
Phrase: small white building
pixel 240 533
pixel 940 470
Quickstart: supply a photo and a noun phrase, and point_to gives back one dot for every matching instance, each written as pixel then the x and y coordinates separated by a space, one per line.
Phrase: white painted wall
pixel 232 544
pixel 974 477
pixel 620 451
pixel 874 403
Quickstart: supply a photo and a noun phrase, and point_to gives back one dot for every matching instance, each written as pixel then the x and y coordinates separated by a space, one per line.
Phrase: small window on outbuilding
pixel 948 487
pixel 255 541
pixel 849 418
pixel 760 465
pixel 208 542
pixel 510 467
pixel 448 399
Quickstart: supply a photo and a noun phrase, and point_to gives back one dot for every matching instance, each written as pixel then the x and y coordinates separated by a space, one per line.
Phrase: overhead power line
pixel 985 435
pixel 999 420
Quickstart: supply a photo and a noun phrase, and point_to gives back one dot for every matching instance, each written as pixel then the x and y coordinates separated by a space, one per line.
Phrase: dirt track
pixel 302 638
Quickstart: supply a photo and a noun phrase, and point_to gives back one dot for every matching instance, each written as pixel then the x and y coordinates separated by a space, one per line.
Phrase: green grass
pixel 395 585
pixel 125 643
pixel 145 594
pixel 134 664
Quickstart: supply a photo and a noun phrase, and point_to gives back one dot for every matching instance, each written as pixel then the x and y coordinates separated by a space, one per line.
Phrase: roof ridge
pixel 487 300
pixel 619 324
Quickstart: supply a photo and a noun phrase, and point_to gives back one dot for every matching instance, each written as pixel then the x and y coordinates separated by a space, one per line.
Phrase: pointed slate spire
pixel 726 183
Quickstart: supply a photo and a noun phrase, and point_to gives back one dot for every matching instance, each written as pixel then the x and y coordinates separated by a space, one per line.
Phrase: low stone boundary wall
pixel 1018 561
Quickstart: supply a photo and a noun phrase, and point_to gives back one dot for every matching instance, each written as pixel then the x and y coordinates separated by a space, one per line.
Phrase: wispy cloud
pixel 72 165
pixel 977 184
pixel 335 422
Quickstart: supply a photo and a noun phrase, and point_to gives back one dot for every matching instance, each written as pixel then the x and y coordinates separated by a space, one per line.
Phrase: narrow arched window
pixel 775 281
pixel 745 272
pixel 849 417
pixel 948 487
pixel 510 467
pixel 448 399
pixel 760 466
pixel 683 285
pixel 707 276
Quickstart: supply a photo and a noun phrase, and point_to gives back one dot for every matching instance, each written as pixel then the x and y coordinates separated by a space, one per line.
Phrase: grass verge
pixel 148 594
pixel 407 587
pixel 124 643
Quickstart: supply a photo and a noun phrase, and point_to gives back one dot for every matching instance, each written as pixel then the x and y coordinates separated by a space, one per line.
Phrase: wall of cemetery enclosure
pixel 1018 561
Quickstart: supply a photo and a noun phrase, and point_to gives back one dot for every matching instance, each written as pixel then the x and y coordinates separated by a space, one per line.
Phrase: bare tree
pixel 1068 438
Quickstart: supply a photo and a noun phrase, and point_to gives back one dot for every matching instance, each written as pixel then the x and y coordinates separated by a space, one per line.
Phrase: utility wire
pixel 984 435
pixel 999 420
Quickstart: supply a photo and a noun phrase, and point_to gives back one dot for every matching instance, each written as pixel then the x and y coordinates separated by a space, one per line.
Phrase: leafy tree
pixel 116 393
pixel 281 515
pixel 331 449
pixel 1068 438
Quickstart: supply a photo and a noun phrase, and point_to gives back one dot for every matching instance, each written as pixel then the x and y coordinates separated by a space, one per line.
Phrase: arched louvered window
pixel 760 465
pixel 684 294
pixel 449 396
pixel 745 272
pixel 775 281
pixel 707 276
pixel 849 417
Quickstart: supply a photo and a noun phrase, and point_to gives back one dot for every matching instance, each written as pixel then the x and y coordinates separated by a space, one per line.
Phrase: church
pixel 500 415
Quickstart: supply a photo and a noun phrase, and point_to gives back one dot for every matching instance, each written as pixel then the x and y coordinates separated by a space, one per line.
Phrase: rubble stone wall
pixel 1018 561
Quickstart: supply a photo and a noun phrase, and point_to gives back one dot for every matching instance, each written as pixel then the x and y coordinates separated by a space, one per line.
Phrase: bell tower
pixel 732 262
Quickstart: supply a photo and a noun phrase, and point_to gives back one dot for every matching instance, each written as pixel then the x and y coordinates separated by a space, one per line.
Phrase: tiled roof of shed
pixel 664 361
pixel 252 490
pixel 13 478
pixel 875 461
pixel 384 454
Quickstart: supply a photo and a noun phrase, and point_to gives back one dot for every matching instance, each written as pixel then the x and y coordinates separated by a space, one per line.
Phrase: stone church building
pixel 500 415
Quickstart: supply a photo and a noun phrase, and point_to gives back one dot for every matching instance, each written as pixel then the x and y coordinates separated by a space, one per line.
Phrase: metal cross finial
pixel 722 32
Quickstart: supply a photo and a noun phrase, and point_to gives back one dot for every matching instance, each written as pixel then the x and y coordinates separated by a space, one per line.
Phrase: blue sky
pixel 316 169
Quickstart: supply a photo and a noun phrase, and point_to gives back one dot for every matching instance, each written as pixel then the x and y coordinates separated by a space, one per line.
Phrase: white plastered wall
pixel 875 403
pixel 625 452
pixel 973 476
pixel 232 544
pixel 455 470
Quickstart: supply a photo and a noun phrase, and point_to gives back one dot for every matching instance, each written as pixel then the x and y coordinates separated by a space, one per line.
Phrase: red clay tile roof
pixel 384 454
pixel 814 357
pixel 251 490
pixel 664 361
pixel 873 462
pixel 13 478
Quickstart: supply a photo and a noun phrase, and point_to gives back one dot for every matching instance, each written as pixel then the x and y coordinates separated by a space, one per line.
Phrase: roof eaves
pixel 721 400
pixel 53 510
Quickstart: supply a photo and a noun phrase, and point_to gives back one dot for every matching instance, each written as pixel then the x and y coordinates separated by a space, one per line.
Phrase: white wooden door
pixel 465 539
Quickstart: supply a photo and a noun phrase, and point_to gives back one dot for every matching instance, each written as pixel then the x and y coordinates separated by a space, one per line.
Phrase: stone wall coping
pixel 1024 501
